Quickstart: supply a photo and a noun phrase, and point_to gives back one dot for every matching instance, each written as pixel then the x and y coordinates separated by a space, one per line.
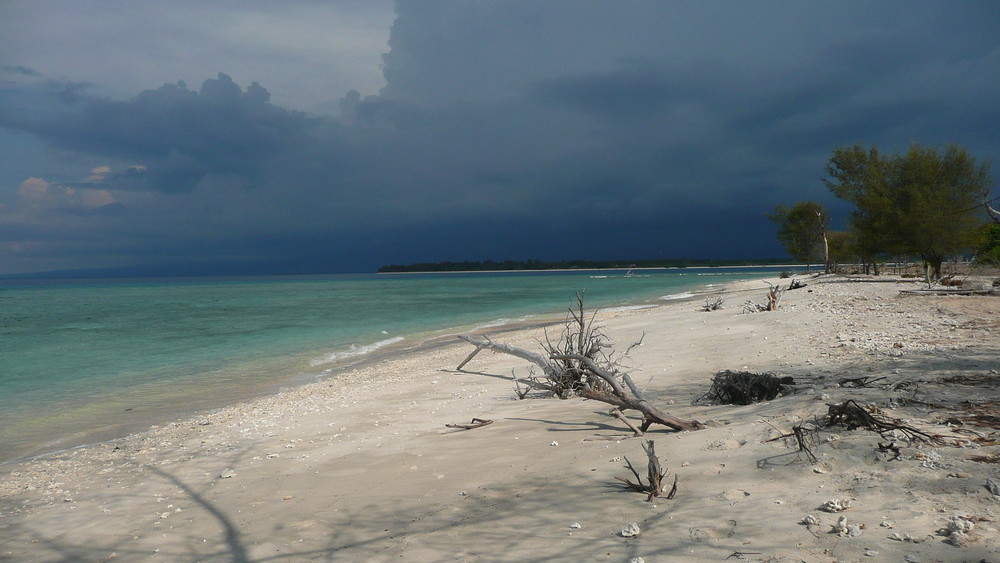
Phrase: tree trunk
pixel 994 213
pixel 826 254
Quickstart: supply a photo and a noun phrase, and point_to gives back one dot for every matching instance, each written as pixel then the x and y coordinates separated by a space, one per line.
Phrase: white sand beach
pixel 361 467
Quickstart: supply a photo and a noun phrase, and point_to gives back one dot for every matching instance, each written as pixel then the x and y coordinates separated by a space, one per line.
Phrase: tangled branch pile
pixel 745 388
pixel 852 415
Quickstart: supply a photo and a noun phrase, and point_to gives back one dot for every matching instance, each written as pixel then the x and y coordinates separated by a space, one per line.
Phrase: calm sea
pixel 88 361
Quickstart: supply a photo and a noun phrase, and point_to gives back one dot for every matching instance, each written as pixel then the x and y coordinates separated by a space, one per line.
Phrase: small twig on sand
pixel 617 413
pixel 476 423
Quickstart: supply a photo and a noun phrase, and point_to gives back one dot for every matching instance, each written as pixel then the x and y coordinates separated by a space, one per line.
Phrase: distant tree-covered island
pixel 510 265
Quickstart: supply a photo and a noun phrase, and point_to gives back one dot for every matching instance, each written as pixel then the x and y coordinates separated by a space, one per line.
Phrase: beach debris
pixel 841 526
pixel 846 530
pixel 809 520
pixel 805 434
pixel 993 486
pixel 960 523
pixel 957 529
pixel 713 304
pixel 522 392
pixel 858 382
pixel 773 299
pixel 906 538
pixel 554 443
pixel 892 448
pixel 227 474
pixel 852 415
pixel 577 363
pixel 630 530
pixel 655 475
pixel 637 560
pixel 575 525
pixel 836 505
pixel 989 458
pixel 869 552
pixel 617 413
pixel 796 284
pixel 745 388
pixel 476 423
pixel 741 555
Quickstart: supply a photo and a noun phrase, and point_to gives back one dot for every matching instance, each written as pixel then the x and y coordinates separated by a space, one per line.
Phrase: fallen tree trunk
pixel 621 393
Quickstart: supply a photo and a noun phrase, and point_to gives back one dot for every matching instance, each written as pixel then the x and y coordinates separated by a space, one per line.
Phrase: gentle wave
pixel 492 324
pixel 355 350
pixel 624 308
pixel 674 296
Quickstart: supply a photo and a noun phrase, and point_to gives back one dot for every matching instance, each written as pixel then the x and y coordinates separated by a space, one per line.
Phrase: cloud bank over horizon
pixel 559 130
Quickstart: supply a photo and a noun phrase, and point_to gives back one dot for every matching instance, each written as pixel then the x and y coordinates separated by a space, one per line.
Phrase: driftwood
pixel 863 381
pixel 476 423
pixel 805 436
pixel 745 388
pixel 713 304
pixel 774 296
pixel 774 293
pixel 617 413
pixel 654 474
pixel 577 365
pixel 964 292
pixel 852 415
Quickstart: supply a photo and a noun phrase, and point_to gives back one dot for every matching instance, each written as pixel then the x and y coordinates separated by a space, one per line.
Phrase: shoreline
pixel 363 468
pixel 317 372
pixel 580 270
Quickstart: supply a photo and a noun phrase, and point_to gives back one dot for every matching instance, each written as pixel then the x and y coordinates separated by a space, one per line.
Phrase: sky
pixel 310 136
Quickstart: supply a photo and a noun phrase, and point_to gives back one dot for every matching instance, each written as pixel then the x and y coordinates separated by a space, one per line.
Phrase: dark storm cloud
pixel 22 70
pixel 178 135
pixel 521 130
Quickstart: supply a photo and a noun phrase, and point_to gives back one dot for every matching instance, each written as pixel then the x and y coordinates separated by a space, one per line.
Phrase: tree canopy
pixel 923 202
pixel 802 230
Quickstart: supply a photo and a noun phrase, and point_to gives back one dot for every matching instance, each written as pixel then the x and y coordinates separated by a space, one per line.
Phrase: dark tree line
pixel 925 203
pixel 508 265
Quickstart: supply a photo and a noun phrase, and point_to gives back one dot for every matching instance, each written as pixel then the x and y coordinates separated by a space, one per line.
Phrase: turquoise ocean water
pixel 87 361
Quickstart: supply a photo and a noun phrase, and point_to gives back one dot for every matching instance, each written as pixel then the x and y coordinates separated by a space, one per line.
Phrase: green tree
pixel 923 202
pixel 802 231
pixel 989 246
pixel 841 245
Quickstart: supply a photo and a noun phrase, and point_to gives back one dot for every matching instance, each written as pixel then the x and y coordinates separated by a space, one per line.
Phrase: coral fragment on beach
pixel 630 530
pixel 835 505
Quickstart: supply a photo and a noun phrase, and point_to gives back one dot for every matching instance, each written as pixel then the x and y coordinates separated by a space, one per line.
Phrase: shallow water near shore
pixel 88 361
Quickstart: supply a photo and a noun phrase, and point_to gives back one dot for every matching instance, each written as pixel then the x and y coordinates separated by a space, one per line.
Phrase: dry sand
pixel 362 467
